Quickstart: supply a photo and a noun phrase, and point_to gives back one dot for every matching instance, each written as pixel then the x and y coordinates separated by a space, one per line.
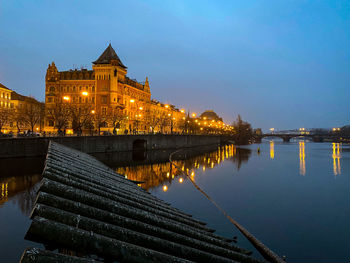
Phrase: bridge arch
pixel 139 145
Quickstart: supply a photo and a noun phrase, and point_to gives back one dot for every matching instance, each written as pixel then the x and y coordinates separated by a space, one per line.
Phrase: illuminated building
pixel 5 97
pixel 17 110
pixel 114 100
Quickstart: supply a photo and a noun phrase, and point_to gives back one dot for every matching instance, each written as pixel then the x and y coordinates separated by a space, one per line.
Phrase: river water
pixel 292 196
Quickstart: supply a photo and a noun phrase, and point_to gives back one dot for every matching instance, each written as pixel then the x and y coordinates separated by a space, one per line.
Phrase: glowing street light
pixel 66 98
pixel 181 180
pixel 166 106
pixel 165 188
pixel 132 101
pixel 194 115
pixel 182 111
pixel 85 93
pixel 93 111
pixel 140 108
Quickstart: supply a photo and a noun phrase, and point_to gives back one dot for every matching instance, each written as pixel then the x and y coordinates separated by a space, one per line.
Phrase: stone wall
pixel 32 147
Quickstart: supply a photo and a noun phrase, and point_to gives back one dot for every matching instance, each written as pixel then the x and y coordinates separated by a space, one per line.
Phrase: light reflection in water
pixel 162 174
pixel 272 149
pixel 302 168
pixel 21 190
pixel 336 158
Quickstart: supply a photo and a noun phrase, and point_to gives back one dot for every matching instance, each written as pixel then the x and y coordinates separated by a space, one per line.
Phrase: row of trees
pixel 25 117
pixel 64 115
pixel 83 117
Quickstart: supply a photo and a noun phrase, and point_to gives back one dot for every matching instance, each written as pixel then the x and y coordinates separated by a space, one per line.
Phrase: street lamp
pixel 85 93
pixel 194 115
pixel 66 98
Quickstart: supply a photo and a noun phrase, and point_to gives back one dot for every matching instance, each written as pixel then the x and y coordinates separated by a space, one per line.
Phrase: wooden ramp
pixel 86 208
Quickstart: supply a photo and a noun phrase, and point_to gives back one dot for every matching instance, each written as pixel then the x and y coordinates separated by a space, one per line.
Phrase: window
pixel 104 111
pixel 115 72
pixel 49 99
pixel 93 99
pixel 74 88
pixel 52 89
pixel 93 88
pixel 104 99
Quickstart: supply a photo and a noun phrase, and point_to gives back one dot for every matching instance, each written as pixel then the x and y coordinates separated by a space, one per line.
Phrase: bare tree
pixel 100 120
pixel 5 117
pixel 153 121
pixel 164 121
pixel 30 114
pixel 59 114
pixel 117 117
pixel 81 117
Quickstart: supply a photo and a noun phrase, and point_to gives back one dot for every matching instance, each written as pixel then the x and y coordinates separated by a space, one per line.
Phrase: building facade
pixel 19 113
pixel 5 97
pixel 103 98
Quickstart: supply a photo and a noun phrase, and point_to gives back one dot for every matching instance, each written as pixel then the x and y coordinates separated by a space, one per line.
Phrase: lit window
pixel 104 111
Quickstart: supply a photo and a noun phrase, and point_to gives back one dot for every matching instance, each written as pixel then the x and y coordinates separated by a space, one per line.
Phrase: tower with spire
pixel 106 88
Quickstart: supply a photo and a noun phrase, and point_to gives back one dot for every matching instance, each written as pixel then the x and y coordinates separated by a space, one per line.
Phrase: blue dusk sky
pixel 278 63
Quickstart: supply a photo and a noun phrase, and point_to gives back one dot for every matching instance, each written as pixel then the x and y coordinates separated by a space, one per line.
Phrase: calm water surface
pixel 292 196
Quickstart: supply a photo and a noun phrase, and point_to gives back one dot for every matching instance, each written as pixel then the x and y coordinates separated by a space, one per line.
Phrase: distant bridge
pixel 287 136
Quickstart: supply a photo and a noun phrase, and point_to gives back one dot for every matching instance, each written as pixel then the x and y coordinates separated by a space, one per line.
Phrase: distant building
pixel 113 100
pixel 210 115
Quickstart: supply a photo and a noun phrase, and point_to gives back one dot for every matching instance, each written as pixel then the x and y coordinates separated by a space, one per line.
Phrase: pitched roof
pixel 3 87
pixel 108 55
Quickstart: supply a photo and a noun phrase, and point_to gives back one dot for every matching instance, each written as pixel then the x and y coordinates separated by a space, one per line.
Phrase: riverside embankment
pixel 34 147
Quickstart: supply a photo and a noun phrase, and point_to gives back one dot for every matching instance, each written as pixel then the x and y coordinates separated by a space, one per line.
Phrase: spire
pixel 108 55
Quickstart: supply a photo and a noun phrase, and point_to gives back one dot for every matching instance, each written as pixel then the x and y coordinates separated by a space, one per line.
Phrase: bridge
pixel 287 136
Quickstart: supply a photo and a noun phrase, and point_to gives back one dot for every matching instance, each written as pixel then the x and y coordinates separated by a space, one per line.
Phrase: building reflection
pixel 20 190
pixel 336 155
pixel 272 149
pixel 302 168
pixel 154 175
